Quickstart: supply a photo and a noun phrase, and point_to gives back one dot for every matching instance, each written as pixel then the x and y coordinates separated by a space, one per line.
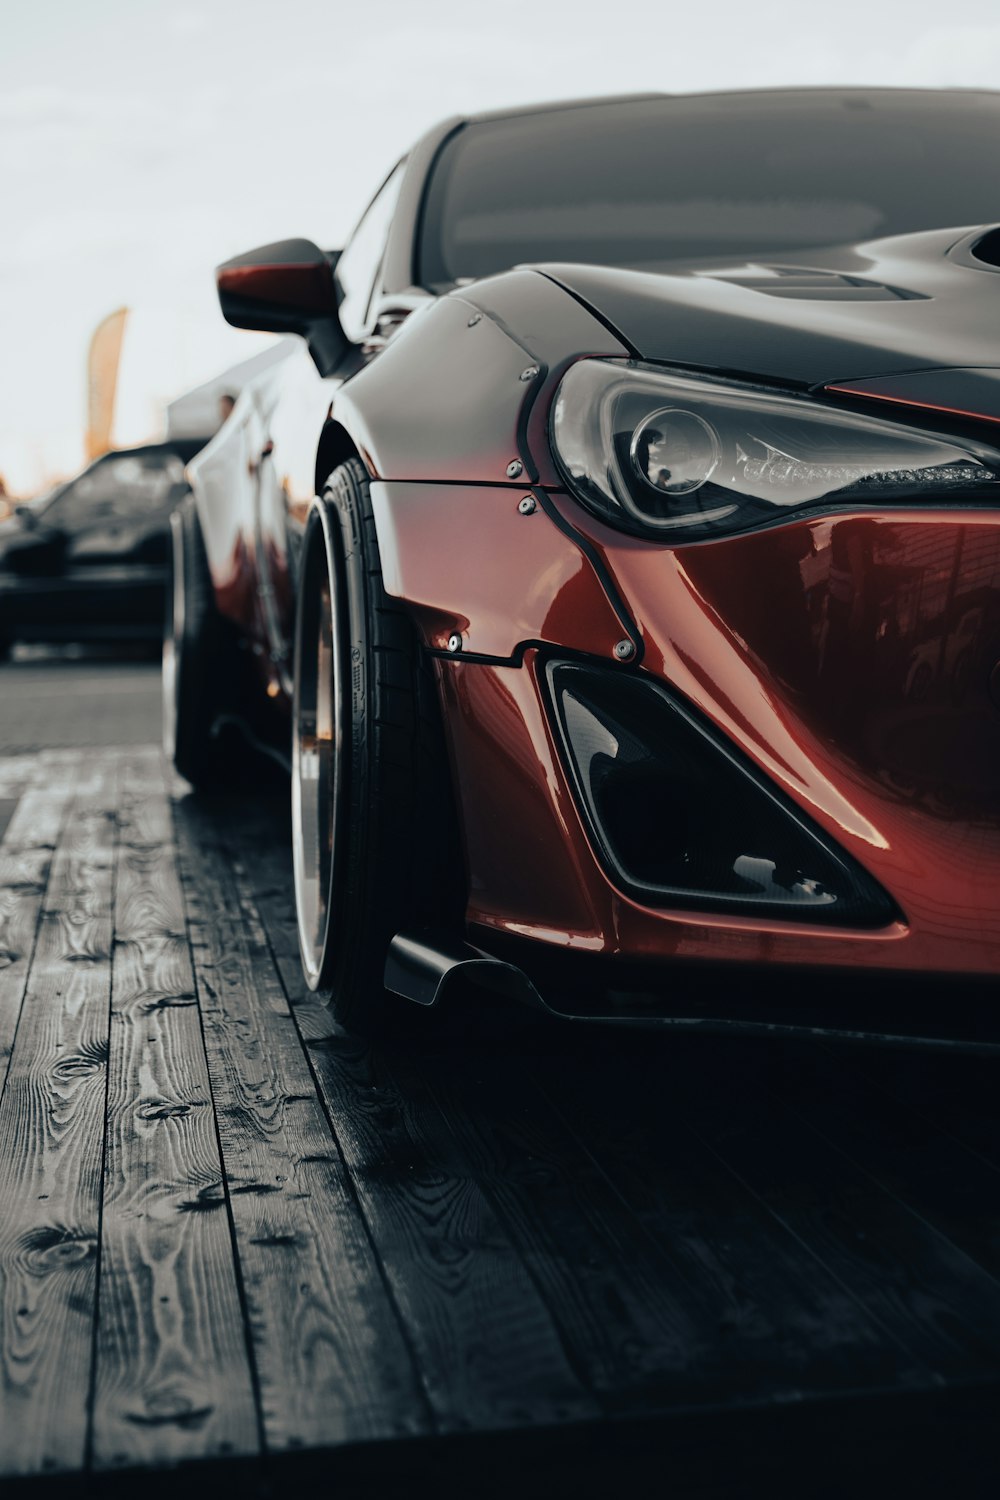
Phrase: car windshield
pixel 650 182
pixel 123 485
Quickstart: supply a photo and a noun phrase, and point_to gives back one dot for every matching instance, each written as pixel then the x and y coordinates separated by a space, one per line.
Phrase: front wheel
pixel 366 759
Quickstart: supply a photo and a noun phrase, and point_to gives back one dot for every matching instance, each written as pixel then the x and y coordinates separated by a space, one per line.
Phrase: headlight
pixel 683 458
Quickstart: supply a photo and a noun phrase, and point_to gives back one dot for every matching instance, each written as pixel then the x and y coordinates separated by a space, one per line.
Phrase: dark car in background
pixel 89 561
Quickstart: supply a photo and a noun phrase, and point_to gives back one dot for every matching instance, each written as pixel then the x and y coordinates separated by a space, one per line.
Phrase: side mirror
pixel 286 287
pixel 26 516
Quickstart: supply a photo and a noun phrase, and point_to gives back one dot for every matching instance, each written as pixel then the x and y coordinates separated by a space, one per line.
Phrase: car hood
pixel 913 302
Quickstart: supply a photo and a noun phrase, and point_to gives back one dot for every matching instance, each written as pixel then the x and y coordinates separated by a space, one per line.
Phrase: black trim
pixel 516 658
pixel 958 427
pixel 928 510
pixel 595 312
pixel 420 218
pixel 481 658
pixel 597 562
pixel 524 415
pixel 424 967
pixel 879 910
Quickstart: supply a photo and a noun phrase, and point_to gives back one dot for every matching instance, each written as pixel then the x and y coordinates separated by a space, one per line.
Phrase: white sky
pixel 143 141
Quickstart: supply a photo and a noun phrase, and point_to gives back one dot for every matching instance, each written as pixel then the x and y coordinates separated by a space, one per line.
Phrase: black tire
pixel 196 653
pixel 920 684
pixel 373 836
pixel 961 677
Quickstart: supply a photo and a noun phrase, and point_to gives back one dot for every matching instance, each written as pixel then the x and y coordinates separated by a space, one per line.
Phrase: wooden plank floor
pixel 493 1254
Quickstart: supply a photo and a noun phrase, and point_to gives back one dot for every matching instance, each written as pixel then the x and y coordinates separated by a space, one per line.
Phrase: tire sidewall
pixel 372 870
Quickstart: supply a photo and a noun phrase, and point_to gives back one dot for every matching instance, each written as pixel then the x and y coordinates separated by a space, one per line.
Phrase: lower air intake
pixel 681 819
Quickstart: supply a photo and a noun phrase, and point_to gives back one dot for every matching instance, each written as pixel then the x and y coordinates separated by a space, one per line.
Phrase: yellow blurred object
pixel 102 380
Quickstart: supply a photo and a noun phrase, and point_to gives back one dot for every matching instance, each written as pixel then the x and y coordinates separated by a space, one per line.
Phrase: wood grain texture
pixel 260 845
pixel 953 1188
pixel 25 862
pixel 173 1378
pixel 665 1190
pixel 333 1365
pixel 51 1136
pixel 486 1339
pixel 929 1300
pixel 488 1345
pixel 17 774
pixel 318 1248
pixel 776 1321
pixel 671 1286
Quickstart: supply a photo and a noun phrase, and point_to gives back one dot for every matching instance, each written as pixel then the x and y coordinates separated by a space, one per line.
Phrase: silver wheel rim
pixel 316 753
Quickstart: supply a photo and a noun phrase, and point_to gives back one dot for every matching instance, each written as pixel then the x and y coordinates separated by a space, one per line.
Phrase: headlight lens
pixel 683 458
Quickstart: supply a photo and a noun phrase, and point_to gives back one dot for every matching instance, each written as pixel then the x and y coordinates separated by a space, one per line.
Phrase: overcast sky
pixel 142 141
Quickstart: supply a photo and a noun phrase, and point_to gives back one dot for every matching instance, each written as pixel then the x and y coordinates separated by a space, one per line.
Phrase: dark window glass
pixel 650 182
pixel 121 487
pixel 359 265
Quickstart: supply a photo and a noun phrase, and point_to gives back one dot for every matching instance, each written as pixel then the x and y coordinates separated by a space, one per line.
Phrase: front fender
pixel 475 571
pixel 457 395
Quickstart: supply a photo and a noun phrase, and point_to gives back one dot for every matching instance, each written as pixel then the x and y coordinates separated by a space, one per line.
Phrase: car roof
pixel 182 448
pixel 818 91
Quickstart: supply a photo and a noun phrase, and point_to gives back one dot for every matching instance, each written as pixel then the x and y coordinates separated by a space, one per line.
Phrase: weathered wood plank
pixel 957 1094
pixel 787 1324
pixel 486 1340
pixel 260 844
pixel 926 1295
pixel 333 1365
pixel 173 1379
pixel 632 1323
pixel 8 807
pixel 672 1286
pixel 17 774
pixel 488 1346
pixel 768 1318
pixel 25 863
pixel 951 1186
pixel 51 1135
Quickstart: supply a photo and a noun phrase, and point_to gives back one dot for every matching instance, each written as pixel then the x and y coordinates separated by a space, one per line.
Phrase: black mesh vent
pixel 988 249
pixel 683 820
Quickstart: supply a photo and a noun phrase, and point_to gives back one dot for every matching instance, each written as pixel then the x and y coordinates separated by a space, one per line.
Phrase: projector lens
pixel 675 451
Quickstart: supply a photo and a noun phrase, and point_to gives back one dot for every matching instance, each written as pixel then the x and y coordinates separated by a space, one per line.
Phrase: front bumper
pixel 802 646
pixel 84 603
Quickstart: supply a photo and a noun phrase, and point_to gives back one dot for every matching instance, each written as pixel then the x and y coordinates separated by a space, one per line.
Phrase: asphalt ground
pixel 52 700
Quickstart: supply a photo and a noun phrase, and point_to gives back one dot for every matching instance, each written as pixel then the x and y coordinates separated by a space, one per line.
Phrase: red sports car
pixel 620 551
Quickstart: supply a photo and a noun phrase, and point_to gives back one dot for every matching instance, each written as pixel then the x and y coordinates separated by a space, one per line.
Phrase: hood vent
pixel 987 250
pixel 805 285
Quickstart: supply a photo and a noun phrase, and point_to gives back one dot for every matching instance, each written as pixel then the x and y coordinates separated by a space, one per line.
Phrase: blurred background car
pixel 88 560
